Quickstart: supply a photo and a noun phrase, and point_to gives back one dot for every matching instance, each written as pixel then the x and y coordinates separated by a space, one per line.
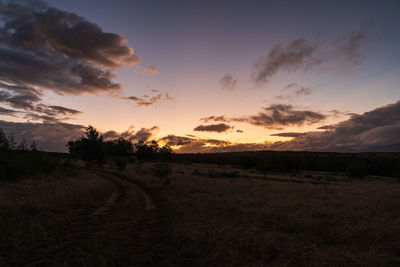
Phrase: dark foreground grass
pixel 253 221
pixel 206 216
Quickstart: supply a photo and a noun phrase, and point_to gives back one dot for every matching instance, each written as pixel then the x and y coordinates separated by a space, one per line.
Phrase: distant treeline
pixel 354 164
pixel 18 160
pixel 93 149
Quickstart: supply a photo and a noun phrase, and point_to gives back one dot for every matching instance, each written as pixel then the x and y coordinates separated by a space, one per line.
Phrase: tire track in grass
pixel 51 246
pixel 156 224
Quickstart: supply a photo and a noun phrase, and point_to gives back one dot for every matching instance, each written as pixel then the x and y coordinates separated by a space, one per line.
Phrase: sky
pixel 203 76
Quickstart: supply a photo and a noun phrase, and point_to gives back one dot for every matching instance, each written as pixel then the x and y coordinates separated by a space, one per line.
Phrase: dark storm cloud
pixel 343 51
pixel 228 82
pixel 219 128
pixel 48 136
pixel 7 112
pixel 375 130
pixel 146 100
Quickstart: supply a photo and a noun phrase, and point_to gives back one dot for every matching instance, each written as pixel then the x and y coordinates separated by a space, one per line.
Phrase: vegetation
pixel 92 149
pixel 19 160
pixel 152 151
pixel 162 171
pixel 355 165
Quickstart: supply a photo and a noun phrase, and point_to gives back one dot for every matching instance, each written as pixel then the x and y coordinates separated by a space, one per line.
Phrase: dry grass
pixel 208 215
pixel 255 221
pixel 36 211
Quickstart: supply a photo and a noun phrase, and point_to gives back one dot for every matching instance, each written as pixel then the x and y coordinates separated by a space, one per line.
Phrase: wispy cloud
pixel 228 82
pixel 146 100
pixel 296 91
pixel 150 70
pixel 301 55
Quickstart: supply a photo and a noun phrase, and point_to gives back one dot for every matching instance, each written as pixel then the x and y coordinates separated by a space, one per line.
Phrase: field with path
pixel 207 215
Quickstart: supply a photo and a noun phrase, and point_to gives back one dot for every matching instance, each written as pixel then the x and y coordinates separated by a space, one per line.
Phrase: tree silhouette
pixel 90 147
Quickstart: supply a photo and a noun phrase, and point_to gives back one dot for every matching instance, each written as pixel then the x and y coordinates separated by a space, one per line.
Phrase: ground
pixel 208 215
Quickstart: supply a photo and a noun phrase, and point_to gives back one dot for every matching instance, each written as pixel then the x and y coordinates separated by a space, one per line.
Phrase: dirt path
pixel 126 229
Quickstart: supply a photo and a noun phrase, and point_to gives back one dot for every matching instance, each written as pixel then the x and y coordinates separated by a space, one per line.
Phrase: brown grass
pixel 256 221
pixel 208 215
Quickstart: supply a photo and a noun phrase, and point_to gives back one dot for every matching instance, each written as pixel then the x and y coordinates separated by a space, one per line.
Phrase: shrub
pixel 356 169
pixel 162 171
pixel 121 164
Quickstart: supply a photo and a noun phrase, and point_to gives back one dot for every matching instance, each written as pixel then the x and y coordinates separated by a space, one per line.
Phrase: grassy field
pixel 208 215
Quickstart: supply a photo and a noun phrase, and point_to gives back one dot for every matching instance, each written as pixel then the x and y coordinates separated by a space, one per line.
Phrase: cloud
pixel 287 134
pixel 193 144
pixel 46 49
pixel 376 130
pixel 300 55
pixel 303 91
pixel 199 145
pixel 219 128
pixel 291 57
pixel 146 100
pixel 7 112
pixel 228 82
pixel 296 91
pixel 347 45
pixel 144 134
pixel 48 136
pixel 150 70
pixel 275 117
pixel 214 118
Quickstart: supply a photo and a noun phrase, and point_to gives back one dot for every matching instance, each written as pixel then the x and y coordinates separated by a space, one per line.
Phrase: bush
pixel 121 164
pixel 162 171
pixel 356 169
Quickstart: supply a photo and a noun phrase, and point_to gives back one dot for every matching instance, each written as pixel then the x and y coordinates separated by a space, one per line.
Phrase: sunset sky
pixel 203 76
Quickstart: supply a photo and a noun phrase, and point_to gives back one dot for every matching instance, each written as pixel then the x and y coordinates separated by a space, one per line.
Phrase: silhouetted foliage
pixel 118 147
pixel 162 170
pixel 353 164
pixel 20 160
pixel 152 151
pixel 89 148
pixel 121 164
